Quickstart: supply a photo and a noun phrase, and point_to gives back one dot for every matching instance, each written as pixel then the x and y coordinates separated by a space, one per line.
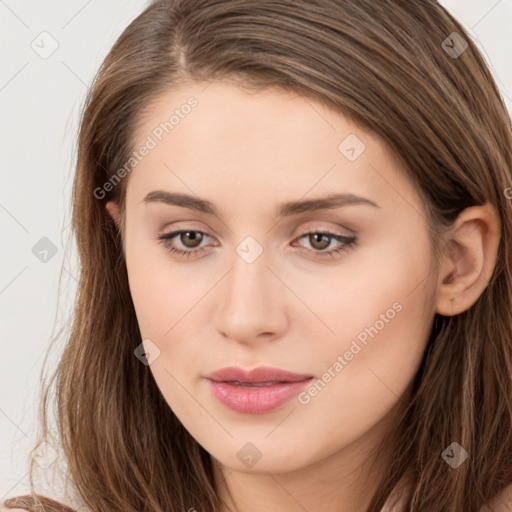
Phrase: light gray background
pixel 40 101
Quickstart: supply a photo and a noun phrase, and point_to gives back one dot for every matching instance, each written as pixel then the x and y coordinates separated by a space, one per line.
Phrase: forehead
pixel 213 139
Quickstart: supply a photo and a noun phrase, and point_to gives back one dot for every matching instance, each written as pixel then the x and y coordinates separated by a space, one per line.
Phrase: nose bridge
pixel 250 302
pixel 248 277
pixel 248 280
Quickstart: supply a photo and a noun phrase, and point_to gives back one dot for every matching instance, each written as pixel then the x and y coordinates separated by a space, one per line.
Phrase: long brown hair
pixel 385 65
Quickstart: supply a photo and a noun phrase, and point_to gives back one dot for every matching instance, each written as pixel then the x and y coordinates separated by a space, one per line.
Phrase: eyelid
pixel 325 229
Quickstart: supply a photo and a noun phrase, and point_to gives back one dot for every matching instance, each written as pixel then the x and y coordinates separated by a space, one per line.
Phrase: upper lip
pixel 260 374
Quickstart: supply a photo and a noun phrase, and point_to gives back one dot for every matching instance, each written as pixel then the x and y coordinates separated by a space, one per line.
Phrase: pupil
pixel 193 235
pixel 317 236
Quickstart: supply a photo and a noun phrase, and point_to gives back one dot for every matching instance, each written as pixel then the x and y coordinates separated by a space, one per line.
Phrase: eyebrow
pixel 285 209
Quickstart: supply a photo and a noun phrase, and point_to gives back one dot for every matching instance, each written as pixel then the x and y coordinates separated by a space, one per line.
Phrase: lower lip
pixel 256 400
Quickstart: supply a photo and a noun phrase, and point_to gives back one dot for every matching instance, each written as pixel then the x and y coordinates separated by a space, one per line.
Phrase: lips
pixel 261 376
pixel 256 391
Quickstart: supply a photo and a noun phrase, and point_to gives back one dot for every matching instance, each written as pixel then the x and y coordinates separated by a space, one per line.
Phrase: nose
pixel 252 302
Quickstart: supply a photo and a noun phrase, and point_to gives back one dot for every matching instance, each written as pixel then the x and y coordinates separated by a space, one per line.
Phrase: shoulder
pixel 27 503
pixel 4 508
pixel 10 505
pixel 500 503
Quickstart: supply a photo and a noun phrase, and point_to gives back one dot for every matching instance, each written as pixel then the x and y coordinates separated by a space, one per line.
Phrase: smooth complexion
pixel 291 308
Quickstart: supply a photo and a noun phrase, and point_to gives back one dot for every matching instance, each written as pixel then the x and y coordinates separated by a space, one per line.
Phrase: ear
pixel 113 210
pixel 466 271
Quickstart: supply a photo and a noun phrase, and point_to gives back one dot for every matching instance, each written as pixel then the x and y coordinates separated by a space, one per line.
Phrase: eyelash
pixel 347 243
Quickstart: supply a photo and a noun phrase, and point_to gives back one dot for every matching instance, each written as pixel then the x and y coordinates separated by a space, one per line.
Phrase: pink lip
pixel 243 397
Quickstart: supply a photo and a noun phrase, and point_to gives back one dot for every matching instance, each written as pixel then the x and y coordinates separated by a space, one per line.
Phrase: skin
pixel 247 153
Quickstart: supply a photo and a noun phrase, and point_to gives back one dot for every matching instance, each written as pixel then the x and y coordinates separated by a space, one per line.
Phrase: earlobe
pixel 113 210
pixel 467 269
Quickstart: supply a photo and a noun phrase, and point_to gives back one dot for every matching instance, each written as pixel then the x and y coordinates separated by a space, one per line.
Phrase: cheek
pixel 375 289
pixel 381 314
pixel 164 296
pixel 163 292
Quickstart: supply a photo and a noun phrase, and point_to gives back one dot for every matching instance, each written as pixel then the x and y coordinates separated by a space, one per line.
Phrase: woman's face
pixel 257 286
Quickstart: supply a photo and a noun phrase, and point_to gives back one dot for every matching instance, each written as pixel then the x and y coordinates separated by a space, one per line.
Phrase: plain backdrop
pixel 40 99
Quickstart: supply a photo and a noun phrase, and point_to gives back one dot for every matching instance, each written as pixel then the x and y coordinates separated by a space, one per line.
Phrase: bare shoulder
pixel 500 503
pixel 27 503
pixel 3 508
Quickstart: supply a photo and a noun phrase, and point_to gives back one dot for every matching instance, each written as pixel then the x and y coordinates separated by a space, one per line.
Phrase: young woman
pixel 294 220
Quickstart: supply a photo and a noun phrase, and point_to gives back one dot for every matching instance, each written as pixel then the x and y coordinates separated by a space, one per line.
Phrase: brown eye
pixel 188 240
pixel 319 241
pixel 191 239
